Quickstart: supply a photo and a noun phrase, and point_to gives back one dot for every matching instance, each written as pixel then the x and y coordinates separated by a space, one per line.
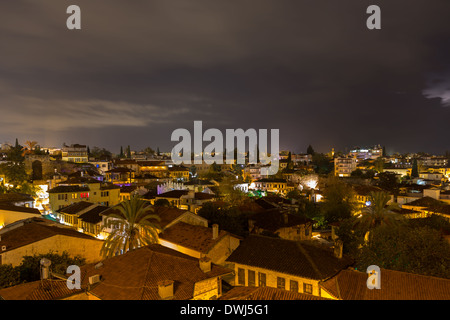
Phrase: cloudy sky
pixel 137 70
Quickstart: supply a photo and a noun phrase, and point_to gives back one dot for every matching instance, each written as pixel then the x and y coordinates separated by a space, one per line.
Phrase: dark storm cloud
pixel 138 70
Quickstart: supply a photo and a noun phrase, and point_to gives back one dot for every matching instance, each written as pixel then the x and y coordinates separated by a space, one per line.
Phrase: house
pixel 281 223
pixel 39 236
pixel 297 266
pixel 155 168
pixel 120 175
pixel 423 205
pixel 186 199
pixel 179 173
pixel 344 166
pixel 350 284
pixel 273 185
pixel 102 165
pixel 83 216
pixel 10 214
pixel 17 199
pixel 200 241
pixel 76 153
pixel 152 272
pixel 75 190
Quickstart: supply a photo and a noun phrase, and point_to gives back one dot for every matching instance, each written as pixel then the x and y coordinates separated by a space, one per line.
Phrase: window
pixel 262 279
pixel 306 231
pixel 241 277
pixel 251 278
pixel 281 283
pixel 294 285
pixel 307 288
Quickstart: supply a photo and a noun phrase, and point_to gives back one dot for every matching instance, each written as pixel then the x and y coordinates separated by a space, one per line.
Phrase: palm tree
pixel 132 226
pixel 31 145
pixel 378 213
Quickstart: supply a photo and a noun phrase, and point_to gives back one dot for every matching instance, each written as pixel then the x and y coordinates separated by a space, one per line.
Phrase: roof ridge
pixel 310 260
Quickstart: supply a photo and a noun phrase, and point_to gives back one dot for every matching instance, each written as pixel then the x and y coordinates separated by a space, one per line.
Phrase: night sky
pixel 137 70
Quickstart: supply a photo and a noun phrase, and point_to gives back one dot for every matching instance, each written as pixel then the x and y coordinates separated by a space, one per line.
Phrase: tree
pixel 310 150
pixel 9 276
pixel 415 170
pixel 337 200
pixel 100 153
pixel 157 152
pixel 388 181
pixel 379 164
pixel 148 151
pixel 229 218
pixel 29 269
pixel 162 203
pixel 415 250
pixel 133 225
pixel 30 145
pixel 379 213
pixel 128 152
pixel 322 164
pixel 121 155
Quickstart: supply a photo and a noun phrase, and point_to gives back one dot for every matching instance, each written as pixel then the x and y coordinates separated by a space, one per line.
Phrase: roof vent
pixel 94 279
pixel 165 289
pixel 205 264
pixel 3 248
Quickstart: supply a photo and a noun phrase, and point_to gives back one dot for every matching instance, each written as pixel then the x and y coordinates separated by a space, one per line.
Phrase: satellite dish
pixel 45 262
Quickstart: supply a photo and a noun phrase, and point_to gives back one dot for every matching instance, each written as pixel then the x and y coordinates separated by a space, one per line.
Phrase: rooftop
pixel 194 237
pixel 298 258
pixel 266 293
pixel 36 230
pixel 395 285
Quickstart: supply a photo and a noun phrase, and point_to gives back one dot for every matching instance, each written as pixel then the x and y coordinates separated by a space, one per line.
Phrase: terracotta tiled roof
pixel 296 258
pixel 266 293
pixel 76 207
pixel 120 170
pixel 168 215
pixel 135 274
pixel 79 180
pixel 93 215
pixel 150 163
pixel 64 189
pixel 194 237
pixel 37 290
pixel 176 194
pixel 272 220
pixel 34 231
pixel 19 209
pixel 425 202
pixel 14 197
pixel 364 190
pixel 203 196
pixel 444 209
pixel 395 285
pixel 127 189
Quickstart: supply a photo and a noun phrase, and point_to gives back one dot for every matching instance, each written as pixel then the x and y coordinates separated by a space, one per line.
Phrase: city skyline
pixel 135 73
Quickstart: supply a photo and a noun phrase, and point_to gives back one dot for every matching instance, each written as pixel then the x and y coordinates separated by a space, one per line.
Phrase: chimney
pixel 45 265
pixel 215 231
pixel 338 248
pixel 205 264
pixel 165 289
